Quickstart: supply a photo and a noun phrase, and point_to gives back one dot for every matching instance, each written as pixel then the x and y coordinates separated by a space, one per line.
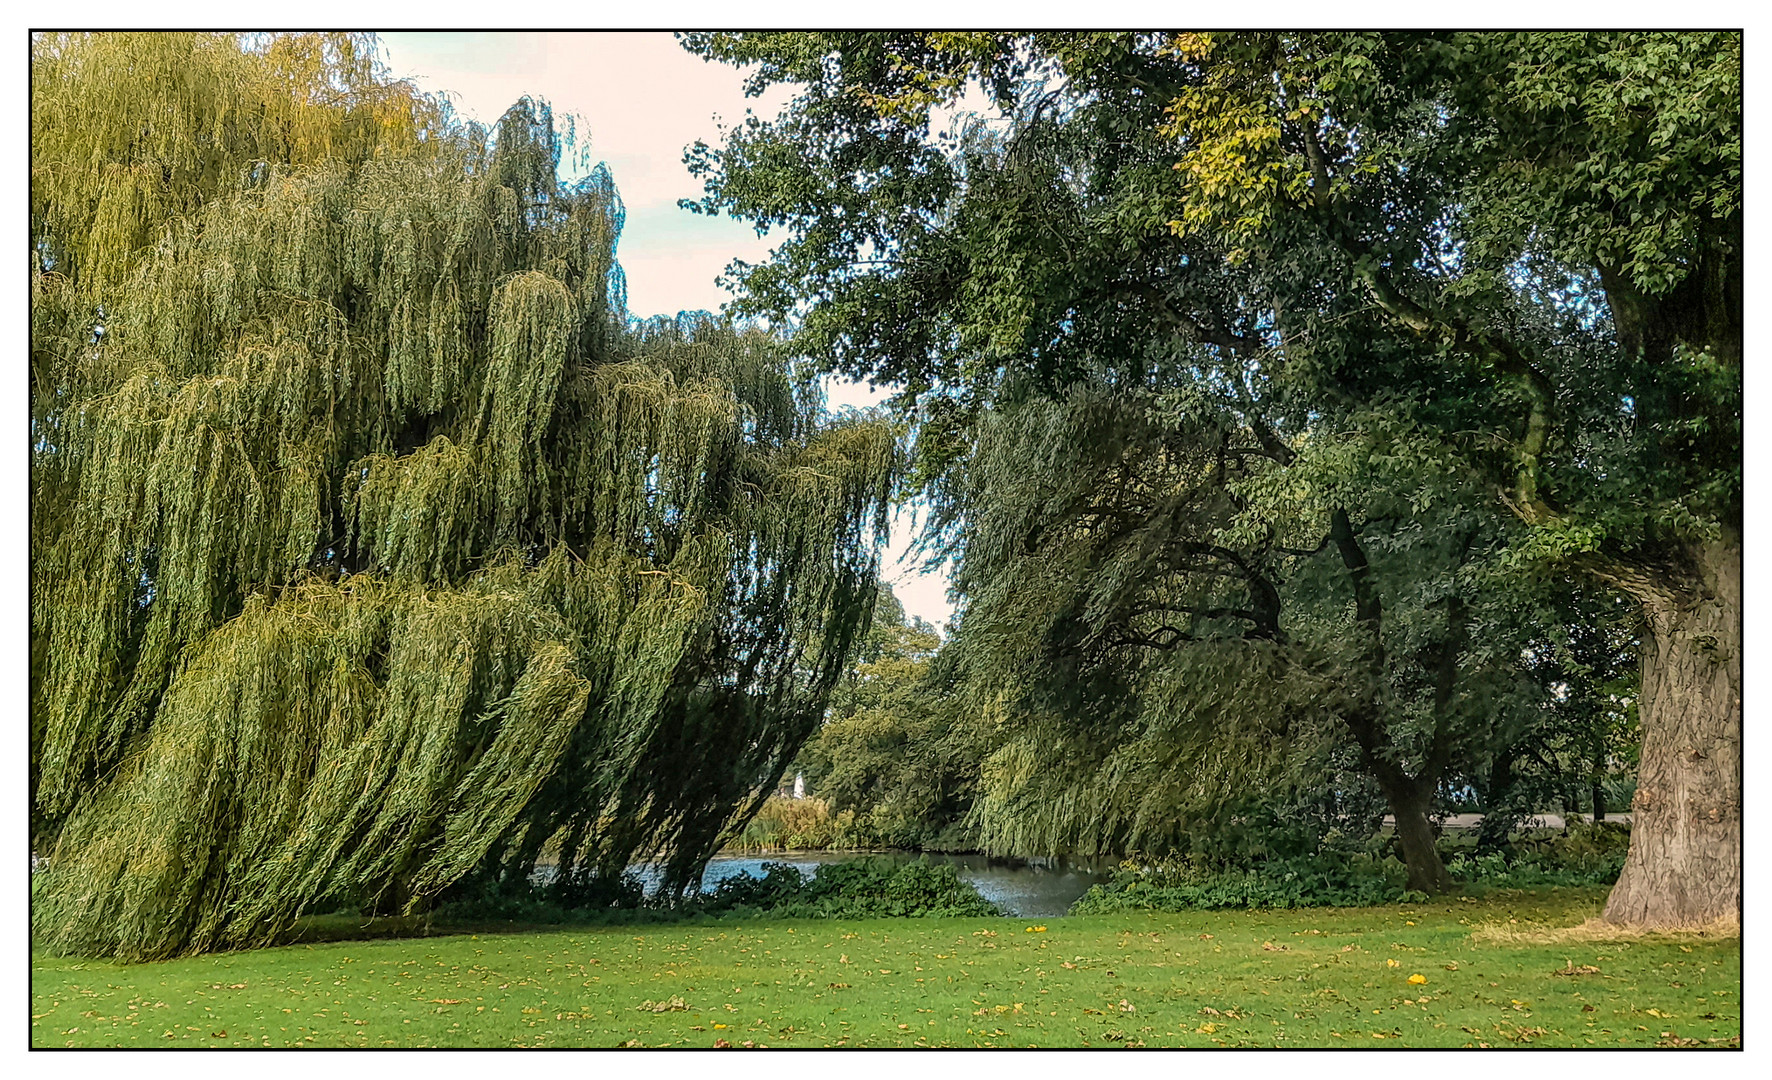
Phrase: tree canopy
pixel 1377 267
pixel 372 546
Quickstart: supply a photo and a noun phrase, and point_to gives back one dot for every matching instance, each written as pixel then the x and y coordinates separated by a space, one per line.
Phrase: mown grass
pixel 1497 973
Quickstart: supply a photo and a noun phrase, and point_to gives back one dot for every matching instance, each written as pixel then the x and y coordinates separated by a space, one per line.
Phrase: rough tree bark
pixel 1427 873
pixel 1684 865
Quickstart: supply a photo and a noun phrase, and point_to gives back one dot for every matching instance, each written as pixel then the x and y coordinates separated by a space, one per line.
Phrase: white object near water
pixel 799 785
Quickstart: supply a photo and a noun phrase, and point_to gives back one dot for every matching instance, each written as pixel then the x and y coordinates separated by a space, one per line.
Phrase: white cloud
pixel 665 277
pixel 639 96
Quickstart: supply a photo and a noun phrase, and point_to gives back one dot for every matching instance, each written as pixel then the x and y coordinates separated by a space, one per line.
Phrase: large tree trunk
pixel 1684 865
pixel 1416 835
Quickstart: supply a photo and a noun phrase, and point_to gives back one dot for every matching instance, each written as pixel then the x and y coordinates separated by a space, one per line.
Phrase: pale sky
pixel 640 99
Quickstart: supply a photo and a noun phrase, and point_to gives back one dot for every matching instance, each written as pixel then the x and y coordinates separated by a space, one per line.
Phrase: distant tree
pixel 371 547
pixel 898 748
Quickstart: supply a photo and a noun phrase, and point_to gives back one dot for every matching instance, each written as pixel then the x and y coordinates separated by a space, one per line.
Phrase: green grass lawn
pixel 1497 972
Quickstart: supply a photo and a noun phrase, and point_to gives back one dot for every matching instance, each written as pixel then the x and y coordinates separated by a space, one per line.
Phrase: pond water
pixel 1026 888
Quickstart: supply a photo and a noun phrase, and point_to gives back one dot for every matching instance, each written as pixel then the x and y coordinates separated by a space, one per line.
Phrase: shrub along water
pixel 859 888
pixel 1342 875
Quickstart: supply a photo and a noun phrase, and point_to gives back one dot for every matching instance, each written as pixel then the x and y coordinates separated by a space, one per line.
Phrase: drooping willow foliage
pixel 1164 614
pixel 372 547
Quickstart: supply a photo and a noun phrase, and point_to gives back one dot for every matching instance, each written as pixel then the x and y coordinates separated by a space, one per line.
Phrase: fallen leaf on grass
pixel 1571 969
pixel 1268 946
pixel 673 1004
pixel 1418 980
pixel 721 1044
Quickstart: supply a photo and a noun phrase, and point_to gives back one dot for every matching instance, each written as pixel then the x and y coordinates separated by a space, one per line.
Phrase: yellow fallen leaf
pixel 1393 963
pixel 1418 980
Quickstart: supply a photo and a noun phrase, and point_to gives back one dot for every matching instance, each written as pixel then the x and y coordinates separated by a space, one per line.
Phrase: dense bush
pixel 862 888
pixel 577 898
pixel 1300 881
pixel 1584 854
pixel 1347 877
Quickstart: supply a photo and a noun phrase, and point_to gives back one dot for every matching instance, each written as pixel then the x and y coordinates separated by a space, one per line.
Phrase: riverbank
pixel 1500 971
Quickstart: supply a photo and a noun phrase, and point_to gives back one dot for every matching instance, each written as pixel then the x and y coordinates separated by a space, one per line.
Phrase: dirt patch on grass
pixel 1600 930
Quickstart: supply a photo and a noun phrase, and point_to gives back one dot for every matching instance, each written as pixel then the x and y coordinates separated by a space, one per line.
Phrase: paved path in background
pixel 1537 821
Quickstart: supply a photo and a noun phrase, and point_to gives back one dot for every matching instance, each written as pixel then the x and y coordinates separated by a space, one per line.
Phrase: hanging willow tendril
pixel 373 546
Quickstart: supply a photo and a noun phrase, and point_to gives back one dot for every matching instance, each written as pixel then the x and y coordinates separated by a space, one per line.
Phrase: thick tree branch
pixel 1441 325
pixel 1368 610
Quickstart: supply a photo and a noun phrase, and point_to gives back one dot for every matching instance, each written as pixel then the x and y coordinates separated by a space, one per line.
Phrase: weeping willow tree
pixel 373 548
pixel 1177 615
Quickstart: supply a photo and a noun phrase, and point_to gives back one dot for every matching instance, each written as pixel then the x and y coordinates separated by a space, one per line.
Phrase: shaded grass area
pixel 1463 972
